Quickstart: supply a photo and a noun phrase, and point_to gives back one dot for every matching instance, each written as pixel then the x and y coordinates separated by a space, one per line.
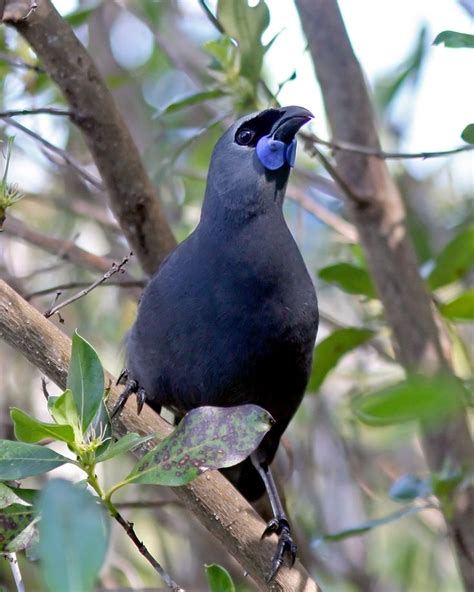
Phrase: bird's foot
pixel 285 546
pixel 131 387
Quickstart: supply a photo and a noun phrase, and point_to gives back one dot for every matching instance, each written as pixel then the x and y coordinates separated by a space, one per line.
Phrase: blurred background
pixel 178 83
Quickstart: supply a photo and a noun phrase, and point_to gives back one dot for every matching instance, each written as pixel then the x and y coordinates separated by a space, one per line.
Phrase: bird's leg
pixel 279 523
pixel 131 387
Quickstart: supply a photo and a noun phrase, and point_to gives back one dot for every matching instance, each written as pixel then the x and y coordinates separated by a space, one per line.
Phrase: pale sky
pixel 382 33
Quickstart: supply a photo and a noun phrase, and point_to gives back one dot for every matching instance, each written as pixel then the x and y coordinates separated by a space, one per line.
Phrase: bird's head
pixel 251 162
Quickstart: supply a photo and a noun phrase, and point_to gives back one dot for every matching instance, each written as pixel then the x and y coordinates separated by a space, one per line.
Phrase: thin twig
pixel 359 149
pixel 113 270
pixel 212 17
pixel 128 527
pixel 12 560
pixel 121 283
pixel 64 155
pixel 346 188
pixel 374 343
pixel 344 228
pixel 38 111
pixel 335 144
pixel 19 63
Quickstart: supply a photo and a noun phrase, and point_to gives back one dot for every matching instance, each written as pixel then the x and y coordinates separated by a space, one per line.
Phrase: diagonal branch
pixel 62 248
pixel 216 504
pixel 380 218
pixel 133 198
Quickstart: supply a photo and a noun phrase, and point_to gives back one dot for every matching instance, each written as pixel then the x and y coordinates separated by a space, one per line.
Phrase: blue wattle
pixel 273 154
pixel 291 153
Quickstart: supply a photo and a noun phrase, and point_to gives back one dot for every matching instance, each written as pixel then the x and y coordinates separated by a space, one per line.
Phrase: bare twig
pixel 128 527
pixel 345 229
pixel 12 560
pixel 16 62
pixel 38 111
pixel 62 153
pixel 81 207
pixel 384 155
pixel 374 343
pixel 121 283
pixel 211 16
pixel 113 270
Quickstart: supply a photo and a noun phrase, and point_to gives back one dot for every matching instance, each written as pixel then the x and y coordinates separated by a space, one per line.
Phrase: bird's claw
pixel 286 546
pixel 141 398
pixel 131 387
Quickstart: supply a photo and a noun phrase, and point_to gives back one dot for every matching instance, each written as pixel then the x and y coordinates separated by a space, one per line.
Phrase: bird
pixel 231 315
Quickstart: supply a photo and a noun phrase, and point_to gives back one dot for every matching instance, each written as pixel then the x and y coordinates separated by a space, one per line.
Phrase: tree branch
pixel 80 170
pixel 132 197
pixel 216 504
pixel 62 248
pixel 380 218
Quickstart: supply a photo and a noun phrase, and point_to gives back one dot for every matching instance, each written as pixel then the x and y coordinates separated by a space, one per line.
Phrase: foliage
pixel 206 78
pixel 454 39
pixel 206 438
pixel 329 351
pixel 219 579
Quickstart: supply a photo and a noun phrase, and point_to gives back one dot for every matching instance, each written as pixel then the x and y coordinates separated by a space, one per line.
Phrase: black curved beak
pixel 291 120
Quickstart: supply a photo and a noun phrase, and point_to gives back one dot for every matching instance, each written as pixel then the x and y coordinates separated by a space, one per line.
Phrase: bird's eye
pixel 244 137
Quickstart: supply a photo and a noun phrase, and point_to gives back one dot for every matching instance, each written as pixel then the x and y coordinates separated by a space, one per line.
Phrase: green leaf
pixel 74 534
pixel 125 444
pixel 13 520
pixel 445 482
pixel 101 427
pixel 29 429
pixel 417 398
pixel 246 24
pixel 19 460
pixel 224 52
pixel 454 39
pixel 468 133
pixel 454 261
pixel 206 438
pixel 63 409
pixel 369 525
pixel 407 72
pixel 330 350
pixel 219 579
pixel 195 98
pixel 79 17
pixel 85 379
pixel 408 488
pixel 461 308
pixel 349 278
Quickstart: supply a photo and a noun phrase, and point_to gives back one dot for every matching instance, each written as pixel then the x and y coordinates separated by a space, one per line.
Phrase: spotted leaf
pixel 206 438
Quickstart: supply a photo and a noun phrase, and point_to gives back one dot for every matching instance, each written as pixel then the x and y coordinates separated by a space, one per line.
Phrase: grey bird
pixel 231 315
